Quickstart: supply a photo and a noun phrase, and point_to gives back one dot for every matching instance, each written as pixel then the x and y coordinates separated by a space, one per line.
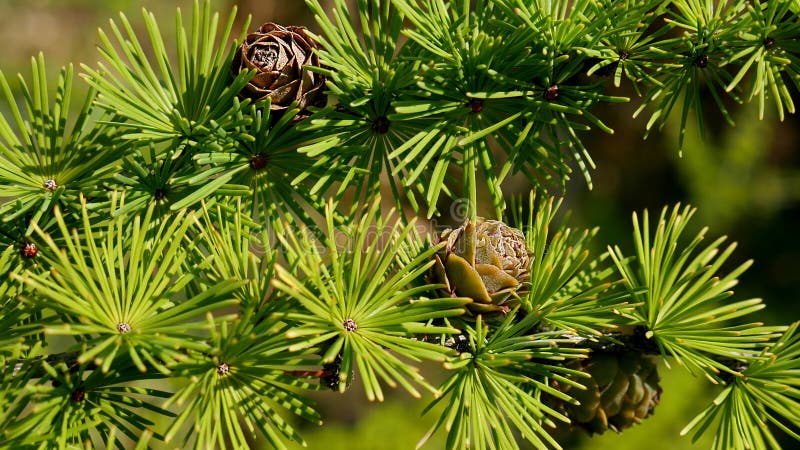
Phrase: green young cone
pixel 487 261
pixel 623 391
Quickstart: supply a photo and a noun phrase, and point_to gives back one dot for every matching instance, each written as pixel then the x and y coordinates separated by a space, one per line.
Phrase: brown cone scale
pixel 281 55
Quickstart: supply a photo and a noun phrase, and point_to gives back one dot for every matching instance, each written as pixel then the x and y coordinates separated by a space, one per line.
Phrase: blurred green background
pixel 745 181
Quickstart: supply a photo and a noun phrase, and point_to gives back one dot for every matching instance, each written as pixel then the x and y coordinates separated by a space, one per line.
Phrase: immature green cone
pixel 623 391
pixel 487 261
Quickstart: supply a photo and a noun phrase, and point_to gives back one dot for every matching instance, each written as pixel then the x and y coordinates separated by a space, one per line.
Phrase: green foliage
pixel 241 384
pixel 568 289
pixel 371 73
pixel 766 393
pixel 772 26
pixel 164 277
pixel 278 188
pixel 359 304
pixel 188 108
pixel 156 101
pixel 693 60
pixel 682 296
pixel 495 385
pixel 117 290
pixel 71 407
pixel 14 315
pixel 51 157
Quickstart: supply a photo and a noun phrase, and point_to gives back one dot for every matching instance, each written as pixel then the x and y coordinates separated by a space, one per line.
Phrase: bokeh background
pixel 744 180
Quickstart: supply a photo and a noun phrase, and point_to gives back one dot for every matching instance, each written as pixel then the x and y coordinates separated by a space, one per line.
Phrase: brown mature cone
pixel 487 261
pixel 282 56
pixel 623 391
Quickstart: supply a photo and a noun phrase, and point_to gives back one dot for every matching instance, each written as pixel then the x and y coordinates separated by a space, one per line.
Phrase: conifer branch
pixel 212 215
